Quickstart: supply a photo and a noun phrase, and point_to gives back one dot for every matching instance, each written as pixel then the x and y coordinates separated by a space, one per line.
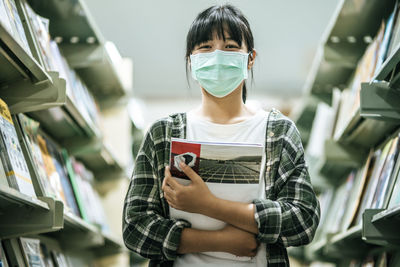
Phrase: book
pixel 386 178
pixel 395 35
pixel 395 195
pixel 321 130
pixel 75 184
pixel 3 259
pixel 51 171
pixel 29 131
pixel 232 171
pixel 3 177
pixel 45 254
pixel 59 259
pixel 30 248
pixel 17 29
pixel 59 165
pixel 17 172
pixel 355 193
pixel 4 21
pixel 383 49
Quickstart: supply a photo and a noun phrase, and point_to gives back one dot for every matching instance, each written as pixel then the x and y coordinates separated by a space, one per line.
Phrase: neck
pixel 226 110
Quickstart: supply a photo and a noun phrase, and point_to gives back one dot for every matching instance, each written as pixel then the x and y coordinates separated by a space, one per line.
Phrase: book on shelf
pixel 45 254
pixel 3 177
pixel 385 178
pixel 30 248
pixel 14 26
pixel 29 131
pixel 384 47
pixel 13 160
pixel 40 27
pixel 231 171
pixel 4 21
pixel 3 259
pixel 90 200
pixel 395 33
pixel 321 130
pixel 55 154
pixel 354 195
pixel 51 171
pixel 380 156
pixel 75 184
pixel 394 196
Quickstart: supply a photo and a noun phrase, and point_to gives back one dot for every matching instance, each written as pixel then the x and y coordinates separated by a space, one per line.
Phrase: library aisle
pixel 84 85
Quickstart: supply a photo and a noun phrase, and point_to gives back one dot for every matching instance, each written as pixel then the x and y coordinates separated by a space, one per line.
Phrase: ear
pixel 252 57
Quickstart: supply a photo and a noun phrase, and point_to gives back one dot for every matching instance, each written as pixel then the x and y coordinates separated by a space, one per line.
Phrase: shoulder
pixel 284 128
pixel 280 123
pixel 159 128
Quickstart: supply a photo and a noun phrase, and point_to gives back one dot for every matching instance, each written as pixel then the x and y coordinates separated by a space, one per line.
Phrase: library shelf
pixel 24 96
pixel 389 65
pixel 380 226
pixel 316 251
pixel 304 117
pixel 347 244
pixel 16 64
pixel 101 67
pixel 365 132
pixel 343 44
pixel 98 157
pixel 112 245
pixel 96 60
pixel 70 21
pixel 379 101
pixel 77 234
pixel 66 122
pixel 43 213
pixel 338 160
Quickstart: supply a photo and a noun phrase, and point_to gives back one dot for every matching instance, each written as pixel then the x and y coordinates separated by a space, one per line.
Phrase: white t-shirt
pixel 251 130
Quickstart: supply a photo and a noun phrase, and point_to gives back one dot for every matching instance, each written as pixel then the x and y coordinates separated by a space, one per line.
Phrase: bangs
pixel 216 20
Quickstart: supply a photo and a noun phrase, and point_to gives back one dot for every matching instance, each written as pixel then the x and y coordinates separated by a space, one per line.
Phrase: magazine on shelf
pixel 13 160
pixel 231 171
pixel 29 131
pixel 15 26
pixel 30 248
pixel 386 178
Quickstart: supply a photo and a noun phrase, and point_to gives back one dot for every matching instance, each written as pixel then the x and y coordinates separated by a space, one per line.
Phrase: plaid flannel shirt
pixel 288 216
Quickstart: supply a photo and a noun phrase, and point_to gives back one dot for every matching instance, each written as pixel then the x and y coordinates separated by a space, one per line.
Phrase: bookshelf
pixel 48 96
pixel 358 57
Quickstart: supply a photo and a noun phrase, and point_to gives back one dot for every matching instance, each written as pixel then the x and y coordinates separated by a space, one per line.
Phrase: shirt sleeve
pixel 293 217
pixel 145 230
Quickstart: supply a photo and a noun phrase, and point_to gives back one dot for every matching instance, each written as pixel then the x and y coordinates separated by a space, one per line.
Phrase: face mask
pixel 219 72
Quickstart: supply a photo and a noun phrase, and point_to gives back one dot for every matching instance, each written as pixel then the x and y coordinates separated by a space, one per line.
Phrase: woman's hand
pixel 195 197
pixel 239 242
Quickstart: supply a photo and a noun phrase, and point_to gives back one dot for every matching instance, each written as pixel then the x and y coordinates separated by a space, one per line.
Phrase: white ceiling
pixel 153 34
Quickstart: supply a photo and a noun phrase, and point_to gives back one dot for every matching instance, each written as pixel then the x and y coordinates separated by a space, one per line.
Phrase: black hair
pixel 218 19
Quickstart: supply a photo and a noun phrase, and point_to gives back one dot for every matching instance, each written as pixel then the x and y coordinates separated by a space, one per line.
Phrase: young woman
pixel 220 53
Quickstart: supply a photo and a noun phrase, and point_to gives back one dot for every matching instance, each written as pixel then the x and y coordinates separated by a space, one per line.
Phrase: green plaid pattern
pixel 288 216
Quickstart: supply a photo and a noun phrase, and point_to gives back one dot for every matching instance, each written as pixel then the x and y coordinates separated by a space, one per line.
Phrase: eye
pixel 232 46
pixel 205 47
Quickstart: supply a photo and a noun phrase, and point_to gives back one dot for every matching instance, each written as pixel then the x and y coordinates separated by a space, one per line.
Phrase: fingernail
pixel 182 164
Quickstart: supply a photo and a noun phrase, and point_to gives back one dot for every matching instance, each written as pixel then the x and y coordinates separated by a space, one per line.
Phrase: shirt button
pixel 268 168
pixel 271 134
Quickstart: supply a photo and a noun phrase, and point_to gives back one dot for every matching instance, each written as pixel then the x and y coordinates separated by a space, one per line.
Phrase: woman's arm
pixel 183 198
pixel 229 239
pixel 146 230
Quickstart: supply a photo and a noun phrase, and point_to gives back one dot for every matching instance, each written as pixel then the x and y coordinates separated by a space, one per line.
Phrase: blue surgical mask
pixel 219 72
